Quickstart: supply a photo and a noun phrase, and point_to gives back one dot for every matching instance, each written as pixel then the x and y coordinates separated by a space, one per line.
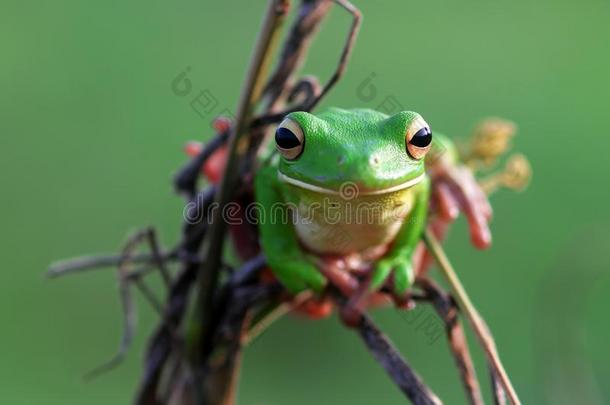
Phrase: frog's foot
pixel 397 274
pixel 337 271
pixel 297 276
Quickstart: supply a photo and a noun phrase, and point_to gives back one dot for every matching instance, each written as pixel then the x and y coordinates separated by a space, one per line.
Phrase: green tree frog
pixel 345 183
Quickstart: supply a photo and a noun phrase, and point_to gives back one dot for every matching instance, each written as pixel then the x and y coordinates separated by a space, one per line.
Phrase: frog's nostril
pixel 374 160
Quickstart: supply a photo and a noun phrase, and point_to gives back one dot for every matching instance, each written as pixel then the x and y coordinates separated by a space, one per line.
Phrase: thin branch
pixel 395 365
pixel 478 324
pixel 80 264
pixel 153 242
pixel 311 13
pixel 498 394
pixel 273 315
pixel 149 295
pixel 448 311
pixel 238 145
pixel 129 310
pixel 347 50
pixel 234 318
pixel 162 342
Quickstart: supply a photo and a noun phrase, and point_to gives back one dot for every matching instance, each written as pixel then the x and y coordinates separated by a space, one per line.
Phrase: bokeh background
pixel 91 133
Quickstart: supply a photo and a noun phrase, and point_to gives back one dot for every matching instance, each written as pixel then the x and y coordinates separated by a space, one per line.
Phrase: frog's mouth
pixel 324 190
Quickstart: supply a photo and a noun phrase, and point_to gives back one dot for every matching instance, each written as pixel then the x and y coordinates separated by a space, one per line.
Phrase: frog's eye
pixel 289 139
pixel 419 138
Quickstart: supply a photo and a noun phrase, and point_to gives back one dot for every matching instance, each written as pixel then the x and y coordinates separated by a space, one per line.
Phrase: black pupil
pixel 286 139
pixel 422 138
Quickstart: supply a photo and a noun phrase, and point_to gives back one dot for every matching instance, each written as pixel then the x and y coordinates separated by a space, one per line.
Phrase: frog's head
pixel 378 153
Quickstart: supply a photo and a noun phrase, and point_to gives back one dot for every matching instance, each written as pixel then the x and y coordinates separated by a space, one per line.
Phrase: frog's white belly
pixel 336 224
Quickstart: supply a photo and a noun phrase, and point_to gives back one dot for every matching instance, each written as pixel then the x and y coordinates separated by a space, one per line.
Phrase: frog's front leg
pixel 279 239
pixel 396 265
pixel 398 261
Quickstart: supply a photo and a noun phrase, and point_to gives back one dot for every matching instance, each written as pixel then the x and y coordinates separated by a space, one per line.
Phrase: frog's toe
pixel 316 281
pixel 294 286
pixel 300 276
pixel 309 275
pixel 403 278
pixel 380 274
pixel 402 281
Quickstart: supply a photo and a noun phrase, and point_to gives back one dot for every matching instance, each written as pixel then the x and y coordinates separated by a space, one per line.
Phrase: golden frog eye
pixel 289 139
pixel 418 139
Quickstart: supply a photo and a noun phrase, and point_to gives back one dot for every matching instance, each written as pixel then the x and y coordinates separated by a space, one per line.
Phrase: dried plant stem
pixel 395 365
pixel 85 263
pixel 273 314
pixel 347 50
pixel 294 52
pixel 208 275
pixel 447 309
pixel 478 324
pixel 212 248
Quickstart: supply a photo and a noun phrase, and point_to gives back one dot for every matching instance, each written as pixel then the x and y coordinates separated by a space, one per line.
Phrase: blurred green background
pixel 91 133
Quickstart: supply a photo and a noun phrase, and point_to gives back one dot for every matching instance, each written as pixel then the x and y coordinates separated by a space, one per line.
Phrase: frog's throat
pixel 318 189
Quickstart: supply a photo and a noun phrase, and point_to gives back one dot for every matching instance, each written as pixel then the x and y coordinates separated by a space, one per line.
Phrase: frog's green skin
pixel 346 152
